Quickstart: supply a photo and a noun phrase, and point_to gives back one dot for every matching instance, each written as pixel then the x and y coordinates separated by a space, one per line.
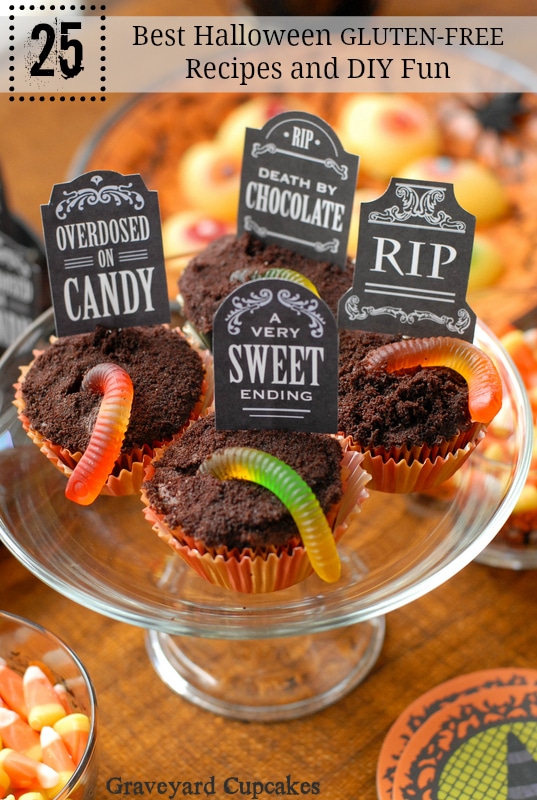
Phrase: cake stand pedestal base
pixel 267 680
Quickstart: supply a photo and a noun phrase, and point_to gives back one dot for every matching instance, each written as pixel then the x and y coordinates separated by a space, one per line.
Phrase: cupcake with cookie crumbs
pixel 149 384
pixel 254 511
pixel 232 260
pixel 415 408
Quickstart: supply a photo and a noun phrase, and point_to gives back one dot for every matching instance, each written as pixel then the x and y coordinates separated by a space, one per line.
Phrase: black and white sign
pixel 275 346
pixel 104 250
pixel 297 186
pixel 413 263
pixel 23 287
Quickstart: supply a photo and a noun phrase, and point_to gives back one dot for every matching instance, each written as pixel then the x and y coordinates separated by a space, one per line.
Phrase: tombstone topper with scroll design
pixel 275 348
pixel 297 186
pixel 412 264
pixel 103 241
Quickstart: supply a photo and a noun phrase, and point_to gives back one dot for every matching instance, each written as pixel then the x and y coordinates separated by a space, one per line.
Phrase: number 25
pixel 68 71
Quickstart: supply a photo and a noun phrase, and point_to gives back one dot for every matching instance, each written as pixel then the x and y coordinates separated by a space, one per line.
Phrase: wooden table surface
pixel 482 618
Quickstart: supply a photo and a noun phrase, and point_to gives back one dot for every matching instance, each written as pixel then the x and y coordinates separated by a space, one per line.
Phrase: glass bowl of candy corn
pixel 515 545
pixel 47 716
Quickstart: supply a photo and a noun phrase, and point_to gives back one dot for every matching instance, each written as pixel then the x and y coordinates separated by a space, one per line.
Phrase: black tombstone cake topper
pixel 104 250
pixel 275 342
pixel 412 264
pixel 275 346
pixel 24 289
pixel 297 186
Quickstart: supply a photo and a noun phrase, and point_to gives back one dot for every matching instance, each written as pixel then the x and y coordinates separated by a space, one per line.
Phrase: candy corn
pixel 17 734
pixel 44 706
pixel 5 782
pixel 11 689
pixel 27 773
pixel 36 759
pixel 56 755
pixel 74 730
pixel 522 523
pixel 522 353
pixel 32 794
pixel 63 696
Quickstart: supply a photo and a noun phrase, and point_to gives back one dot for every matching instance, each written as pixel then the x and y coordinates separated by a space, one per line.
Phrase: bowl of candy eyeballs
pixel 484 143
pixel 48 720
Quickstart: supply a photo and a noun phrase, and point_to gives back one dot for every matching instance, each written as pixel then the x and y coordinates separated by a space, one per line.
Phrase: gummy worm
pixel 286 275
pixel 484 383
pixel 247 463
pixel 97 462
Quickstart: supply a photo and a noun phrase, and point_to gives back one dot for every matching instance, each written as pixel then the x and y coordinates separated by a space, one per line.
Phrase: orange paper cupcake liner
pixel 128 474
pixel 255 571
pixel 404 470
pixel 129 470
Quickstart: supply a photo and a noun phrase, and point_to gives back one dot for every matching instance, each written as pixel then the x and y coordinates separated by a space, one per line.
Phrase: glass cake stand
pixel 264 657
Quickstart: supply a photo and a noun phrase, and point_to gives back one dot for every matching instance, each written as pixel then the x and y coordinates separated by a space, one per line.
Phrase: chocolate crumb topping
pixel 167 376
pixel 228 261
pixel 238 513
pixel 409 407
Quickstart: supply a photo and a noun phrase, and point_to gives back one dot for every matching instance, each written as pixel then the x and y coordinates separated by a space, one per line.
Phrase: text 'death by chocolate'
pixel 297 186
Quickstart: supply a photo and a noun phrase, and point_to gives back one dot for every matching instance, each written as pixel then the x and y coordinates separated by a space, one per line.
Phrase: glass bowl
pixel 515 544
pixel 22 643
pixel 274 656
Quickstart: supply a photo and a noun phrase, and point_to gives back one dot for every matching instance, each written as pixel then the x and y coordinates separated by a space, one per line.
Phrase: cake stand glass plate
pixel 263 657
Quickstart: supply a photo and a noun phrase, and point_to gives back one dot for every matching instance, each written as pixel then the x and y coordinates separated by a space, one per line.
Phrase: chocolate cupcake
pixel 237 533
pixel 171 386
pixel 229 261
pixel 414 425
